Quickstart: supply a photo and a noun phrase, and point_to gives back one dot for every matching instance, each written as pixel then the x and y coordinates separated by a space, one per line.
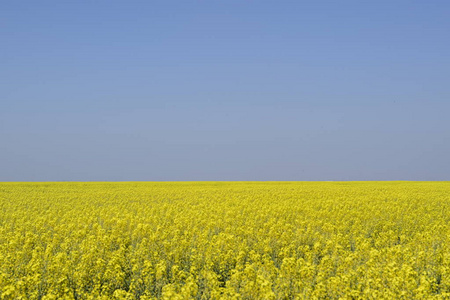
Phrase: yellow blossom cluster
pixel 225 240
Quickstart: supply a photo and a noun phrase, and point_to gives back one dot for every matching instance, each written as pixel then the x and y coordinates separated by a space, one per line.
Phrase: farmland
pixel 225 240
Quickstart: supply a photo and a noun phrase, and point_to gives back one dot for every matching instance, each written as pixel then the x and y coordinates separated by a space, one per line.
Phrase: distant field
pixel 217 240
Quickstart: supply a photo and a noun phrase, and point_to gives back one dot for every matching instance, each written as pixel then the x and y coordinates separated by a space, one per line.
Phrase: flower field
pixel 225 240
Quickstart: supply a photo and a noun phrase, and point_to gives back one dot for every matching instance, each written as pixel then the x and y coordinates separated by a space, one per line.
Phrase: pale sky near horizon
pixel 224 90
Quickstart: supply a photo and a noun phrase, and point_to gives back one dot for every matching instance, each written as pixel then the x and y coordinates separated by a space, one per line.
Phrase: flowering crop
pixel 225 240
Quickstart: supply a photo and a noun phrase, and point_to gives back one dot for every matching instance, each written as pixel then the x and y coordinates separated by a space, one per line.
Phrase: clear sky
pixel 224 90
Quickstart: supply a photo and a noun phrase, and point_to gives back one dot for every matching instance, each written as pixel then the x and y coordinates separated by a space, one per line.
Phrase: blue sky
pixel 224 90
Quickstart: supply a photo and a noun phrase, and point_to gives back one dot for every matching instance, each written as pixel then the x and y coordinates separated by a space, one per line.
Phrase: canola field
pixel 225 240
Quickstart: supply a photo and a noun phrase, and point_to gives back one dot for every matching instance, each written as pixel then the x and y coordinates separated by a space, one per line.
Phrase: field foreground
pixel 225 240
